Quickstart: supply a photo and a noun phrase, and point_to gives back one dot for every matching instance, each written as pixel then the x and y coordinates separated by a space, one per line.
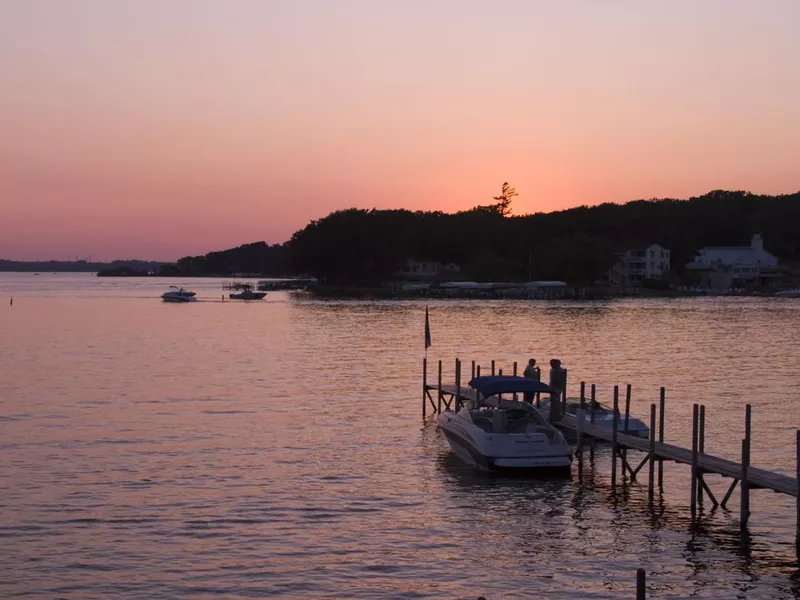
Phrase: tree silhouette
pixel 504 199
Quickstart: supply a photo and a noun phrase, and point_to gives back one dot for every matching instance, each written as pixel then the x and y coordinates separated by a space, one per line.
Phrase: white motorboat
pixel 495 432
pixel 176 294
pixel 603 416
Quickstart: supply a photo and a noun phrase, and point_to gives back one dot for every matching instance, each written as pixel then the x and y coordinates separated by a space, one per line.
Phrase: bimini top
pixel 489 385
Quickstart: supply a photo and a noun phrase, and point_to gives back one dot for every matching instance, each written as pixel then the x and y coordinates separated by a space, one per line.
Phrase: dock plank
pixel 757 478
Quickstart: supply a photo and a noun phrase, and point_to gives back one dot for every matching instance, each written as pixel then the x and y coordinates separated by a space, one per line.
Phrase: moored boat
pixel 603 416
pixel 496 432
pixel 247 293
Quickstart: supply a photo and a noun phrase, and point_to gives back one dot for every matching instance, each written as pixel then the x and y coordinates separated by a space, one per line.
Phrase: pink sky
pixel 160 128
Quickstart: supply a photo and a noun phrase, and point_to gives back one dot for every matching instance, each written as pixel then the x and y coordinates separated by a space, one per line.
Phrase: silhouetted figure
pixel 558 382
pixel 531 372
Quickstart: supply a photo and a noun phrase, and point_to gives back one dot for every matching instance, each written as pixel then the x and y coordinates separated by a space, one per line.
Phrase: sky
pixel 156 129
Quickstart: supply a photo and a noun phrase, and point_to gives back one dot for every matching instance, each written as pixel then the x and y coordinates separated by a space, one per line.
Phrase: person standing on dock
pixel 531 372
pixel 558 382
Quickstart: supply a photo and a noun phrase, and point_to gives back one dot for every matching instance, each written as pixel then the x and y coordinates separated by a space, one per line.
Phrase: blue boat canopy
pixel 489 385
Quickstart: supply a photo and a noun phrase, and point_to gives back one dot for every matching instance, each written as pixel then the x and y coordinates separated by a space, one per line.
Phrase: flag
pixel 427 330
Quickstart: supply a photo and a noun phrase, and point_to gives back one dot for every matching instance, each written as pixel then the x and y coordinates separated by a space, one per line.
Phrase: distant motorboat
pixel 789 293
pixel 176 294
pixel 247 293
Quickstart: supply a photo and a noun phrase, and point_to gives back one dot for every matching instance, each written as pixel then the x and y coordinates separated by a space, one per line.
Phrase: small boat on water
pixel 247 293
pixel 495 432
pixel 176 294
pixel 788 293
pixel 603 416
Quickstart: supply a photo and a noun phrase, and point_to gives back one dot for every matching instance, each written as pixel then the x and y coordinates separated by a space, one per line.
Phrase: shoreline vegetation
pixel 357 252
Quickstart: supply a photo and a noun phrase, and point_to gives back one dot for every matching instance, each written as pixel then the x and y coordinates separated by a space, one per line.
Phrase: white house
pixel 731 266
pixel 634 266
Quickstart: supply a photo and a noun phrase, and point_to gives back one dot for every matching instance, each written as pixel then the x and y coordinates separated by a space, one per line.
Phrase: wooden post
pixel 492 366
pixel 563 407
pixel 473 369
pixel 457 400
pixel 744 486
pixel 627 406
pixel 627 414
pixel 591 419
pixel 500 372
pixel 695 419
pixel 701 436
pixel 614 428
pixel 439 392
pixel 579 423
pixel 662 400
pixel 478 371
pixel 651 480
pixel 747 420
pixel 515 374
pixel 641 584
pixel 424 383
pixel 797 475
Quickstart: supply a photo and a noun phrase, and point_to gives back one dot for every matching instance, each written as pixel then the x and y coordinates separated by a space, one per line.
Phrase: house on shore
pixel 728 267
pixel 634 267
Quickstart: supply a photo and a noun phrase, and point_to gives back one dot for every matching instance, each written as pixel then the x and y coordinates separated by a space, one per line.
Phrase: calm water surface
pixel 230 450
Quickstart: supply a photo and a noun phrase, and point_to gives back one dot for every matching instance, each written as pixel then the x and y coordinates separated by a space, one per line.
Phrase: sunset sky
pixel 160 128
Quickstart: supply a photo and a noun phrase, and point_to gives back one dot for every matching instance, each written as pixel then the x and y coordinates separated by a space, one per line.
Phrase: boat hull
pixel 502 452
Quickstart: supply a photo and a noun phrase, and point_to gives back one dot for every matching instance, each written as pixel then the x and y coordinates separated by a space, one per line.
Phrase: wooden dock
pixel 441 396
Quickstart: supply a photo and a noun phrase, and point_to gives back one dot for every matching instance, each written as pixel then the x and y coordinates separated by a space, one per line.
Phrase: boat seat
pixel 499 421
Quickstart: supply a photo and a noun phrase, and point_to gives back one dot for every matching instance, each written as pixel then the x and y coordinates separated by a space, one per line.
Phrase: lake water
pixel 233 450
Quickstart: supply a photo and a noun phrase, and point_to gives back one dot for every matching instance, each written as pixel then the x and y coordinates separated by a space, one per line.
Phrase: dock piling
pixel 473 369
pixel 439 391
pixel 583 394
pixel 614 428
pixel 797 475
pixel 695 419
pixel 591 419
pixel 662 400
pixel 457 400
pixel 579 423
pixel 492 367
pixel 744 486
pixel 652 465
pixel 701 436
pixel 627 416
pixel 515 374
pixel 641 584
pixel 424 383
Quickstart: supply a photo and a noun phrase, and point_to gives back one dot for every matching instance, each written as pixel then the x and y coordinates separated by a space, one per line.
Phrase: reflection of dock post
pixel 661 406
pixel 424 382
pixel 439 390
pixel 651 480
pixel 614 428
pixel 695 423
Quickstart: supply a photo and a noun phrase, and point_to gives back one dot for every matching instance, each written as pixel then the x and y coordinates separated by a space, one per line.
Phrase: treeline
pixel 256 258
pixel 355 246
pixel 366 247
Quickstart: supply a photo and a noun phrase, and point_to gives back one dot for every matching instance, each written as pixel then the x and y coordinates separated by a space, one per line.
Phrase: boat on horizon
pixel 176 295
pixel 495 433
pixel 247 293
